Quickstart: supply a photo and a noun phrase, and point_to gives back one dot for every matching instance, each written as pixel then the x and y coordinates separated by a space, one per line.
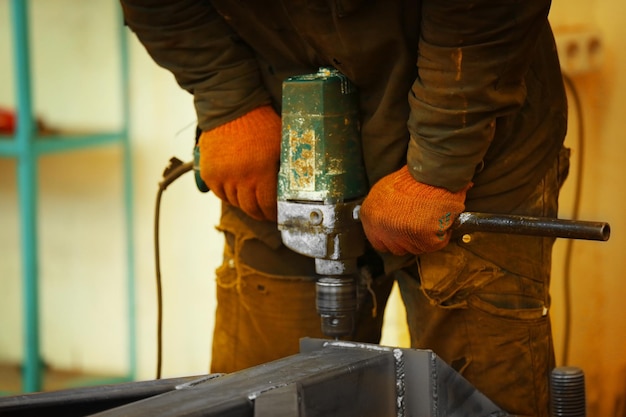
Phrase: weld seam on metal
pixel 356 345
pixel 198 381
pixel 434 385
pixel 255 394
pixel 398 356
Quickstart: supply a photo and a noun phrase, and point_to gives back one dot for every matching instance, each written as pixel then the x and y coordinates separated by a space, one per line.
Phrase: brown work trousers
pixel 482 303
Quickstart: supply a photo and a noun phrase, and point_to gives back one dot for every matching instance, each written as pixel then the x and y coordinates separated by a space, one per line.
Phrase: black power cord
pixel 172 172
pixel 569 244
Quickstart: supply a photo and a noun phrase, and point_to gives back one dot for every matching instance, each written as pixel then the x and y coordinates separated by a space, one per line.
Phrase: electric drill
pixel 321 185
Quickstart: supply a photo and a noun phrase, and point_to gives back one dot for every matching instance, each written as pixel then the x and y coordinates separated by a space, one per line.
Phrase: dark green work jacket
pixel 462 91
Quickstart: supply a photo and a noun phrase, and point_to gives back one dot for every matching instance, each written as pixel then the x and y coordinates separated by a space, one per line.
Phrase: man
pixel 462 107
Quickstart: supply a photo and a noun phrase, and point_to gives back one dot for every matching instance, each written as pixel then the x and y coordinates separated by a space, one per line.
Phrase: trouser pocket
pixel 500 339
pixel 260 317
pixel 512 353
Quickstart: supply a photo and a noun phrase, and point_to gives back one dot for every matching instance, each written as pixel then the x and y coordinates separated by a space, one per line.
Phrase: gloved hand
pixel 239 161
pixel 401 215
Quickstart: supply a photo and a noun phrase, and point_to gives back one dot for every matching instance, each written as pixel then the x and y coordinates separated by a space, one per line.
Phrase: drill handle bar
pixel 469 222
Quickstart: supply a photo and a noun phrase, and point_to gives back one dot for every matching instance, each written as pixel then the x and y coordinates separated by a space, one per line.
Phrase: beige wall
pixel 598 335
pixel 82 260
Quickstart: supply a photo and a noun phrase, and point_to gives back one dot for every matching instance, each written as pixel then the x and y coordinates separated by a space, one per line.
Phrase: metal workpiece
pixel 330 379
pixel 469 222
pixel 83 401
pixel 327 378
pixel 425 385
pixel 333 381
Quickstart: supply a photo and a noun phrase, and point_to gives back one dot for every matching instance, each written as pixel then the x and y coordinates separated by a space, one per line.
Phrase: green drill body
pixel 321 184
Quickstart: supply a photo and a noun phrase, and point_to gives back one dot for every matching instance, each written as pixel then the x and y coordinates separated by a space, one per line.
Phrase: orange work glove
pixel 239 161
pixel 401 215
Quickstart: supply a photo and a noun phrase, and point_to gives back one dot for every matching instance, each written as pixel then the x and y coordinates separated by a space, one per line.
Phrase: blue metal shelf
pixel 26 146
pixel 59 143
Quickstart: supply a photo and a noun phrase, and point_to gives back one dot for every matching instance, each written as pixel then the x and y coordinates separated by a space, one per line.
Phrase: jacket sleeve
pixel 191 40
pixel 472 60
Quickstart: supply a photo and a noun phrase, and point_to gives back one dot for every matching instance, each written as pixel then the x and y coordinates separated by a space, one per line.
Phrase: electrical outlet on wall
pixel 580 50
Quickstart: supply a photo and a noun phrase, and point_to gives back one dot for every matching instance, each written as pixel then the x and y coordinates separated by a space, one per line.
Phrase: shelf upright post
pixel 27 185
pixel 128 198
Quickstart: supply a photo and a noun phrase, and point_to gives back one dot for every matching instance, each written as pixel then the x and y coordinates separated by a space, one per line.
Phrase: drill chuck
pixel 321 184
pixel 336 301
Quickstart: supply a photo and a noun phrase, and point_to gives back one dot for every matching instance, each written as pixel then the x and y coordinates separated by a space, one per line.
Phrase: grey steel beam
pixel 327 378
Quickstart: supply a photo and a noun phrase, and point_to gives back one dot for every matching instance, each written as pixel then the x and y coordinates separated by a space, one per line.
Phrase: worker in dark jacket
pixel 462 108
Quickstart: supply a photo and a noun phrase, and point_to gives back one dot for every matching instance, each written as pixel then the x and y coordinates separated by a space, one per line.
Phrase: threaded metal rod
pixel 567 392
